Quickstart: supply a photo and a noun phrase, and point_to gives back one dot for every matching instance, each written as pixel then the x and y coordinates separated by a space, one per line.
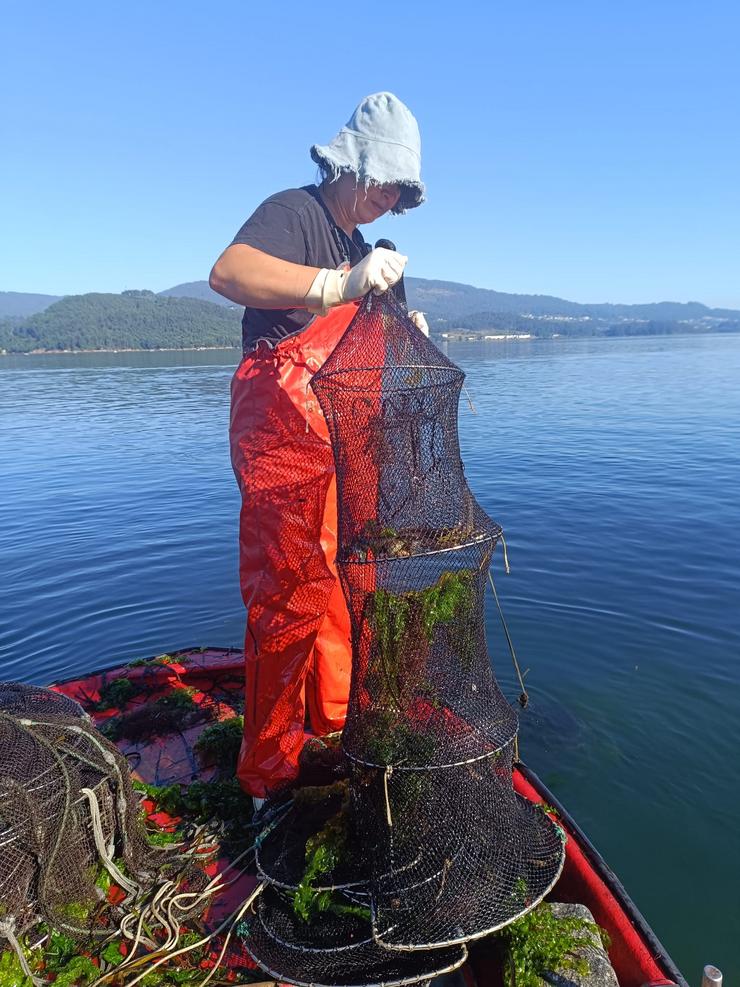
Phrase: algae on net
pixel 325 851
pixel 406 626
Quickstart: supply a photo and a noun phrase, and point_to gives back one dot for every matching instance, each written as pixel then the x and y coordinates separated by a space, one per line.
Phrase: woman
pixel 301 254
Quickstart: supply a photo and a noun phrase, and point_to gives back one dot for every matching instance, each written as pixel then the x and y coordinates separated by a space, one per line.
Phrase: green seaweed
pixel 115 694
pixel 391 739
pixel 404 623
pixel 310 795
pixel 540 943
pixel 112 953
pixel 76 914
pixel 451 597
pixel 520 891
pixel 11 971
pixel 390 618
pixel 339 905
pixel 379 541
pixel 405 626
pixel 163 838
pixel 168 798
pixel 204 801
pixel 219 744
pixel 79 971
pixel 324 851
pixel 173 711
pixel 165 659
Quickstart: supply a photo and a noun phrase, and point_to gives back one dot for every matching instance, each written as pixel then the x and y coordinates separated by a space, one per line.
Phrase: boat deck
pixel 216 676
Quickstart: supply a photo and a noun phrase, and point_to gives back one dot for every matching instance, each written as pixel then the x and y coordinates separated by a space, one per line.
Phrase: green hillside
pixel 131 320
pixel 181 318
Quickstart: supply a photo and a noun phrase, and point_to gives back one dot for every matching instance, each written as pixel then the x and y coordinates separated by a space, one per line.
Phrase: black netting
pixel 423 693
pixel 423 813
pixel 281 852
pixel 69 822
pixel 390 400
pixel 338 950
pixel 456 854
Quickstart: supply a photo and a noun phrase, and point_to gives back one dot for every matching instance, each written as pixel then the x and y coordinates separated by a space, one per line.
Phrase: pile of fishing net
pixel 406 840
pixel 74 857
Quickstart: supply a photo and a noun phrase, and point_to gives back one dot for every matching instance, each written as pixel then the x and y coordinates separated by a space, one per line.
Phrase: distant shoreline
pixel 120 349
pixel 452 337
pixel 205 349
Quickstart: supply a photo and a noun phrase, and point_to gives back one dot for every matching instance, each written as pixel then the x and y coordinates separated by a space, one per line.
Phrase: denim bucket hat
pixel 380 145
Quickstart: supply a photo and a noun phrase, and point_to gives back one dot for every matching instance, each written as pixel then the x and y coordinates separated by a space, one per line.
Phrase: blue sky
pixel 581 149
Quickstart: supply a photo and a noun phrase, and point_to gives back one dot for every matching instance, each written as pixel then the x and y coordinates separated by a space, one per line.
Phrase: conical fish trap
pixel 423 831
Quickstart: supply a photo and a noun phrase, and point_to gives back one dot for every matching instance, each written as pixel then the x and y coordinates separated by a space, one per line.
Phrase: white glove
pixel 419 321
pixel 376 272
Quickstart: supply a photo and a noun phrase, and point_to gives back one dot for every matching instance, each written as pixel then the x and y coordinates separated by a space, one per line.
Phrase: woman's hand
pixel 419 321
pixel 376 272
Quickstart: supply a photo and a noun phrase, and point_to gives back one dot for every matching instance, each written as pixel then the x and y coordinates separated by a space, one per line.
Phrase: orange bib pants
pixel 297 647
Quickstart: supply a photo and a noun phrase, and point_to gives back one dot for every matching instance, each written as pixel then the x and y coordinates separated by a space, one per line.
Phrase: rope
pixel 231 921
pixel 524 696
pixel 176 901
pixel 6 930
pixel 470 400
pixel 386 775
pixel 507 570
pixel 105 857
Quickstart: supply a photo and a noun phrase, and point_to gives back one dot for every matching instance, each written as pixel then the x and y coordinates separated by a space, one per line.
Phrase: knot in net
pixel 70 824
pixel 418 843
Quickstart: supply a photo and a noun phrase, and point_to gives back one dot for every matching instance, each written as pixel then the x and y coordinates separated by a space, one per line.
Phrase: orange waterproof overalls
pixel 297 646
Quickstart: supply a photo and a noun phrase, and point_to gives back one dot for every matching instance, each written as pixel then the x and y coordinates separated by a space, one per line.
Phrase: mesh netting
pixel 456 854
pixel 423 815
pixel 422 691
pixel 281 851
pixel 339 950
pixel 68 815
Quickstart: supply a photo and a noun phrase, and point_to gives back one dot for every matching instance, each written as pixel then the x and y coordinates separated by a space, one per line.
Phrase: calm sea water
pixel 614 467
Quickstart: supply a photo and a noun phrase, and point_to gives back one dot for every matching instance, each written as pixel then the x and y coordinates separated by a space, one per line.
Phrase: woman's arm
pixel 251 277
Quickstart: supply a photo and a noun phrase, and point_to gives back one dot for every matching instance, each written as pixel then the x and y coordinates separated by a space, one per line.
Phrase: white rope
pixel 107 860
pixel 138 938
pixel 386 775
pixel 507 570
pixel 231 920
pixel 215 886
pixel 217 964
pixel 6 930
pixel 157 914
pixel 470 400
pixel 171 924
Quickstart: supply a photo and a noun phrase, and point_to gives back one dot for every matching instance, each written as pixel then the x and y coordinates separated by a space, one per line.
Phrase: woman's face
pixel 365 203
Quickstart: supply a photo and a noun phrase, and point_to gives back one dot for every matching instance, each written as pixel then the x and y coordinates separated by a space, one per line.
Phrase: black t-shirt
pixel 296 226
